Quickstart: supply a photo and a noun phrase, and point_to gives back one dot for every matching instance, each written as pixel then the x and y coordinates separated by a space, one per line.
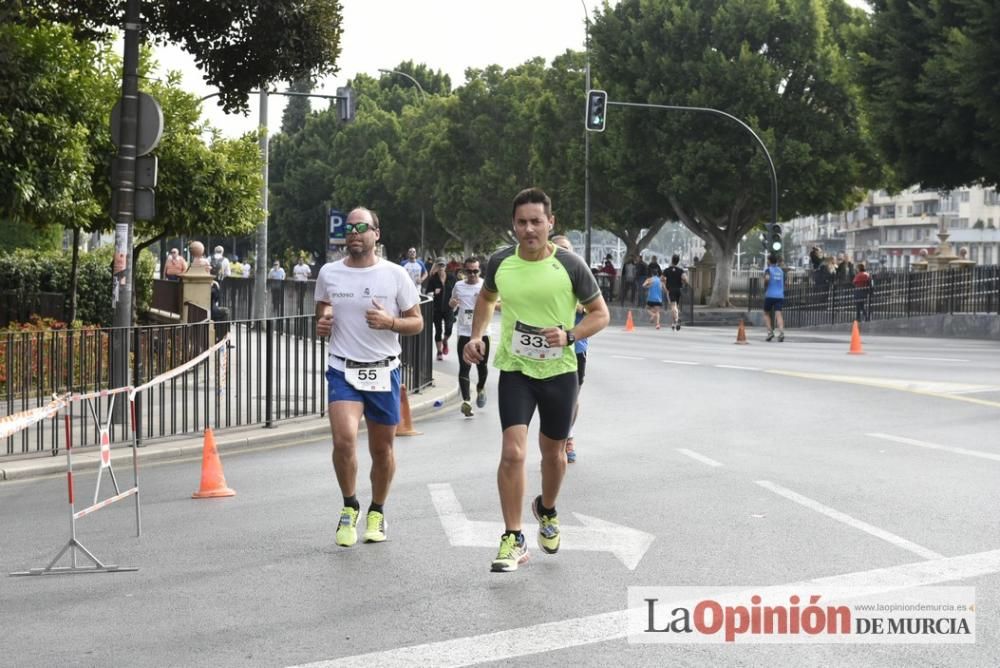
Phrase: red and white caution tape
pixel 15 422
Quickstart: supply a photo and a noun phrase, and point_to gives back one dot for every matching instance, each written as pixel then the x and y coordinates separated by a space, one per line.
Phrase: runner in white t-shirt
pixel 415 268
pixel 362 304
pixel 463 298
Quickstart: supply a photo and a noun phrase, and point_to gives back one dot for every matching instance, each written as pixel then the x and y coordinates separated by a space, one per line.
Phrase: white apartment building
pixel 889 231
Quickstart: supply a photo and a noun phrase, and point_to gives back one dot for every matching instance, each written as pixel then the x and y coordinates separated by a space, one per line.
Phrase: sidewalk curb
pixel 284 434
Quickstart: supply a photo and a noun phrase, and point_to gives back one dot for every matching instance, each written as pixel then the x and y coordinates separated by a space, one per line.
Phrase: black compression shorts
pixel 555 398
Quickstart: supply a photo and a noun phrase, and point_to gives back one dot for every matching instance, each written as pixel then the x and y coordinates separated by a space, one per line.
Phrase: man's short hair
pixel 371 213
pixel 532 196
pixel 675 259
pixel 772 259
pixel 470 260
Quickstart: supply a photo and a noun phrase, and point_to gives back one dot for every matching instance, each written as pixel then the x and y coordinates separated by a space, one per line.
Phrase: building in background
pixel 889 231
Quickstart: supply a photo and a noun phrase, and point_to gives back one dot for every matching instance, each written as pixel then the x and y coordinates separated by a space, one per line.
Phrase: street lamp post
pixel 770 163
pixel 423 95
pixel 260 270
pixel 586 148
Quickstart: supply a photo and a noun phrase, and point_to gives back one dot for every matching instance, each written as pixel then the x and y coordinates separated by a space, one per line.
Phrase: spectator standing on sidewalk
pixel 626 290
pixel 363 304
pixel 862 294
pixel 301 271
pixel 463 299
pixel 174 266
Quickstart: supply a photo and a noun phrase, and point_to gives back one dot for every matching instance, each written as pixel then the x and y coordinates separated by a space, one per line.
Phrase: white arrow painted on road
pixel 595 535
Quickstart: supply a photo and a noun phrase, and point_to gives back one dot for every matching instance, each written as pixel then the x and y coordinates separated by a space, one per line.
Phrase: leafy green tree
pixel 52 110
pixel 239 45
pixel 298 107
pixel 780 66
pixel 929 71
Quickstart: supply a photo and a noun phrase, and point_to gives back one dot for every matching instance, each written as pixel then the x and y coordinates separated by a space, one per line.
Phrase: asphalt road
pixel 731 466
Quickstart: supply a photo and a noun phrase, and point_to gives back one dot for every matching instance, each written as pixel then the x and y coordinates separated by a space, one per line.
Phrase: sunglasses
pixel 472 271
pixel 358 228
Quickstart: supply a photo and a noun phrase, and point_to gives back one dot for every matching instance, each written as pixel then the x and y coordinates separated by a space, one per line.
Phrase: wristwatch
pixel 570 339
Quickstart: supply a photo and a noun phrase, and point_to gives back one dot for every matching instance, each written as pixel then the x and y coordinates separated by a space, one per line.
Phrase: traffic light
pixel 774 244
pixel 597 108
pixel 346 104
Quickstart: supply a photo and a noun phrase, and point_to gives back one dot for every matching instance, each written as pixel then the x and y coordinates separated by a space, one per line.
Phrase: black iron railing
pixel 273 371
pixel 892 295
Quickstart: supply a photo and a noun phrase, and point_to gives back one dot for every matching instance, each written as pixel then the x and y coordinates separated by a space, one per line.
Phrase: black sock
pixel 548 512
pixel 352 502
pixel 377 507
pixel 518 536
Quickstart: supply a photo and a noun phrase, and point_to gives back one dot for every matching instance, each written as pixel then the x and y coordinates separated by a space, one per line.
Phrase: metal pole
pixel 260 271
pixel 404 74
pixel 586 151
pixel 125 215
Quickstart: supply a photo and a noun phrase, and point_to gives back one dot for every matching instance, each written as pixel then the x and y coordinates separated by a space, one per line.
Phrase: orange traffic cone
pixel 213 483
pixel 405 427
pixel 855 341
pixel 629 325
pixel 741 335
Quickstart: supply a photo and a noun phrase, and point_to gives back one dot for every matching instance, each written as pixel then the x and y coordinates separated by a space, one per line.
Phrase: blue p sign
pixel 337 220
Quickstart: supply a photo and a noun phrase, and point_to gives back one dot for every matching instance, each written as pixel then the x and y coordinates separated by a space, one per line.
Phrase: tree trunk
pixel 720 287
pixel 74 273
pixel 136 249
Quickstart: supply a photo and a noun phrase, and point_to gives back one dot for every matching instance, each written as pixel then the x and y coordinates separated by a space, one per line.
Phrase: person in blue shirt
pixel 580 348
pixel 654 296
pixel 774 297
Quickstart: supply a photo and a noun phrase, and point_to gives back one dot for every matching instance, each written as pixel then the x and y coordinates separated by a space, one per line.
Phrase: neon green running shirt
pixel 537 294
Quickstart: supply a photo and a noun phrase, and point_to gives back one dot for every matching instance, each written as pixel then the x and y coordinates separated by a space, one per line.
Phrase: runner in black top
pixel 675 279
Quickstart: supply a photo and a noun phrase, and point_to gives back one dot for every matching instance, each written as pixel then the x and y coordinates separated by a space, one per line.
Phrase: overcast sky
pixel 447 35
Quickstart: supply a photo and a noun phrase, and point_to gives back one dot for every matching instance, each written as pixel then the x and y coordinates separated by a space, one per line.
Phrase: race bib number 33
pixel 528 341
pixel 368 376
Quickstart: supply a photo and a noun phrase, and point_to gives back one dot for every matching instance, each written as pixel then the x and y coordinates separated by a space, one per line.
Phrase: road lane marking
pixel 923 359
pixel 563 634
pixel 934 446
pixel 680 362
pixel 734 366
pixel 898 541
pixel 701 458
pixel 927 389
pixel 592 534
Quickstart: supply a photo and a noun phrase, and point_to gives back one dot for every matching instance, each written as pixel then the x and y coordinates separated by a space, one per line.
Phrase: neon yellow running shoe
pixel 512 553
pixel 548 528
pixel 375 533
pixel 347 533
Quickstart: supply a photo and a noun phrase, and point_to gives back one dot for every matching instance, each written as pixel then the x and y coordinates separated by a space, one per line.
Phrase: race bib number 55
pixel 528 341
pixel 368 376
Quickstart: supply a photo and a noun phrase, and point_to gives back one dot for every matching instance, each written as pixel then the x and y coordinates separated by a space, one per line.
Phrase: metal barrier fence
pixel 285 298
pixel 275 371
pixel 892 295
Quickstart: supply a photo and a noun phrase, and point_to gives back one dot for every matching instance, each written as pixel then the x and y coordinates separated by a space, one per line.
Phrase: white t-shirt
pixel 350 291
pixel 301 272
pixel 466 295
pixel 416 269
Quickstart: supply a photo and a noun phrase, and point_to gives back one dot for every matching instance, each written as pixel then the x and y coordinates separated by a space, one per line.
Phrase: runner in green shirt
pixel 539 285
